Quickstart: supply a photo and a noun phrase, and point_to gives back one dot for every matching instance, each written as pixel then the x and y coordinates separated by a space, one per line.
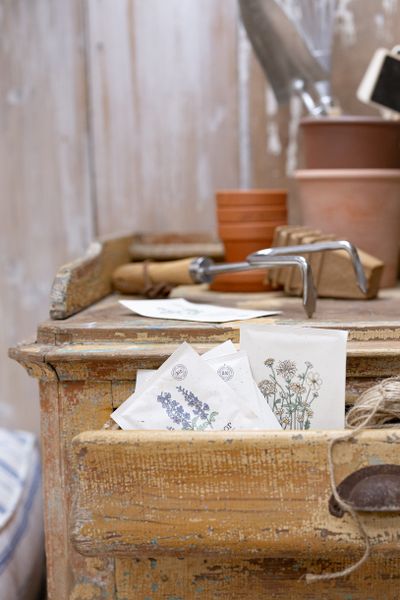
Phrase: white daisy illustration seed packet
pixel 185 393
pixel 301 372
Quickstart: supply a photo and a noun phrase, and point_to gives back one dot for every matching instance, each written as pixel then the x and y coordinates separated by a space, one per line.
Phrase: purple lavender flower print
pixel 200 419
pixel 174 410
pixel 201 410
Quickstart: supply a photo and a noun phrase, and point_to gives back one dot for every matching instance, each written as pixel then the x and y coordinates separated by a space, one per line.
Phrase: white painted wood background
pixel 128 115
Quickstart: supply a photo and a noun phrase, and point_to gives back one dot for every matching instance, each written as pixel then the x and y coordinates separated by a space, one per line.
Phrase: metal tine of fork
pixel 203 270
pixel 345 245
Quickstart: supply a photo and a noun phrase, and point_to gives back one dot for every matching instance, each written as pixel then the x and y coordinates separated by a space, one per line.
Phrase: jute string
pixel 377 407
pixel 151 289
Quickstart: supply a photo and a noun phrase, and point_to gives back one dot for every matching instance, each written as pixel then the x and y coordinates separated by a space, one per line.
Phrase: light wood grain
pixel 251 493
pixel 45 208
pixel 79 284
pixel 207 578
pixel 164 106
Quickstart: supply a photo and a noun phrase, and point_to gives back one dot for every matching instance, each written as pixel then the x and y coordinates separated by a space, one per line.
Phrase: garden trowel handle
pixel 132 278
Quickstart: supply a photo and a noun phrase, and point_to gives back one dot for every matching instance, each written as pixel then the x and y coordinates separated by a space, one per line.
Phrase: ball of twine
pixel 377 407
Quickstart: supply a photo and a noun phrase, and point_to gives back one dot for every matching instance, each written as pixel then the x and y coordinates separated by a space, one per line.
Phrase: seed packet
pixel 185 393
pixel 227 347
pixel 144 375
pixel 301 373
pixel 235 370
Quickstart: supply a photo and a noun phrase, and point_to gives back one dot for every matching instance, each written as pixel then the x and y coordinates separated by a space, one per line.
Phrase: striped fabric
pixel 21 522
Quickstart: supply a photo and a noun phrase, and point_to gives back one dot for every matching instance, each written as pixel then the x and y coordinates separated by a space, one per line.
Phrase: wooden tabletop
pixel 107 320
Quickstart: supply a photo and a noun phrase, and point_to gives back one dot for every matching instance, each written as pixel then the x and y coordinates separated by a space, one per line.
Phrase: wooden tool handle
pixel 134 277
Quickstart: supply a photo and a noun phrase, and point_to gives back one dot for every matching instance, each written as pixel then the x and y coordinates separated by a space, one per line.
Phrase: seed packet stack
pixel 212 392
pixel 283 377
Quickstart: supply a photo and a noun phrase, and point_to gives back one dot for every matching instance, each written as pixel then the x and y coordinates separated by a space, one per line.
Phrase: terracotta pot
pixel 238 251
pixel 349 143
pixel 246 223
pixel 248 198
pixel 362 206
pixel 249 281
pixel 248 231
pixel 253 214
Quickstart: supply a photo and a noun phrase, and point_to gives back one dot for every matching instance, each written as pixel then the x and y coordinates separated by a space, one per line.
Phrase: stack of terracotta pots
pixel 246 223
pixel 350 183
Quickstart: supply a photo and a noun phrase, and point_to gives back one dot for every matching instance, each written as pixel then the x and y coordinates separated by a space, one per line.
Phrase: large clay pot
pixel 246 223
pixel 349 142
pixel 362 206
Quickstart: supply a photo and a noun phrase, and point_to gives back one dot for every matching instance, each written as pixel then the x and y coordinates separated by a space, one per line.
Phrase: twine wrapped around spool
pixel 377 407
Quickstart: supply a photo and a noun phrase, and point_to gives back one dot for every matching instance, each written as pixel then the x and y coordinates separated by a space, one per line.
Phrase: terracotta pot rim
pixel 252 225
pixel 250 192
pixel 252 208
pixel 347 174
pixel 348 120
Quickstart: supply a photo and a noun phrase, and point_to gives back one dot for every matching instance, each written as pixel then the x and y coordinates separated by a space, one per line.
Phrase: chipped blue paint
pixel 153 563
pixel 199 590
pixel 154 542
pixel 375 460
pixel 154 587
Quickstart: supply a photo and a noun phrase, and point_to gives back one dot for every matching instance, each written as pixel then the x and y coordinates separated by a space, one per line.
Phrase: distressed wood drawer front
pixel 149 493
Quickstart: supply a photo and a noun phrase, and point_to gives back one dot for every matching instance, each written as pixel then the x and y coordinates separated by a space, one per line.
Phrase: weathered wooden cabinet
pixel 173 515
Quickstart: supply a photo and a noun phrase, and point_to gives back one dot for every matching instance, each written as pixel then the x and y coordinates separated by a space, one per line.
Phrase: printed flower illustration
pixel 297 388
pixel 291 392
pixel 286 368
pixel 201 417
pixel 174 410
pixel 267 387
pixel 314 380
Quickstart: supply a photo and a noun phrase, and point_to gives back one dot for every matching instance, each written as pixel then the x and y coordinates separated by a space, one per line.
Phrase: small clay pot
pixel 253 214
pixel 362 206
pixel 248 281
pixel 349 142
pixel 239 250
pixel 248 198
pixel 246 223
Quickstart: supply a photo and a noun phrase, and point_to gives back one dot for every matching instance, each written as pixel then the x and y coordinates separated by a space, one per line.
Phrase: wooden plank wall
pixel 45 208
pixel 127 115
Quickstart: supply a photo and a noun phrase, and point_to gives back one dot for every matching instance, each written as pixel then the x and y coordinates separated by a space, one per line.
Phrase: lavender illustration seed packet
pixel 185 393
pixel 301 373
pixel 144 375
